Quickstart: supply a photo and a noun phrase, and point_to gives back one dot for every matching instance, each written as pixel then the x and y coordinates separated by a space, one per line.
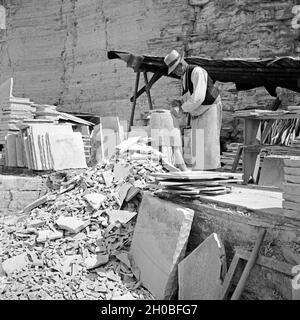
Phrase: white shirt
pixel 199 80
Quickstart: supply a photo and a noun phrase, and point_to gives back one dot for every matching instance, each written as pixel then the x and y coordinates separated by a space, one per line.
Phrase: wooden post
pixel 137 80
pixel 148 90
pixel 250 157
pixel 251 262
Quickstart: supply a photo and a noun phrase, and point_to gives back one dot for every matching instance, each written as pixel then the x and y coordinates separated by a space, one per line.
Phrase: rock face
pixel 56 50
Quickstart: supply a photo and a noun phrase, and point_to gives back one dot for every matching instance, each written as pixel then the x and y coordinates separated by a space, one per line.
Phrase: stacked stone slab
pixel 12 110
pixel 291 187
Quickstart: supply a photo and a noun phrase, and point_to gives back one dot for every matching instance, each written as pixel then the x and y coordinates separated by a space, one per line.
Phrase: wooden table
pixel 252 146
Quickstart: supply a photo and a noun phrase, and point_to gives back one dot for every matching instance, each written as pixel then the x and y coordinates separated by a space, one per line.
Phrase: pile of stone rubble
pixel 76 244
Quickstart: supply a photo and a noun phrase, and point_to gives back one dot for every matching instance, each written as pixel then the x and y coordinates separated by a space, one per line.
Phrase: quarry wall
pixel 56 50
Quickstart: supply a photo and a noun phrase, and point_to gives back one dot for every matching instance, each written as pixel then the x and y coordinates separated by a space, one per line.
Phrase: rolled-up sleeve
pixel 199 80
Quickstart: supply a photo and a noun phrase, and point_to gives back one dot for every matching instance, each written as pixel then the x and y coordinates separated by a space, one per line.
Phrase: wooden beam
pixel 269 263
pixel 148 90
pixel 137 80
pixel 157 75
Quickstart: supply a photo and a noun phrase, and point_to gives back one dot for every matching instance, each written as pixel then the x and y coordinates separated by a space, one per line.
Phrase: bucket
pixel 161 119
pixel 164 132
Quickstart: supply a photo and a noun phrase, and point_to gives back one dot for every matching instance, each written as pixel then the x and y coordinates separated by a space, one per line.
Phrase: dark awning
pixel 245 73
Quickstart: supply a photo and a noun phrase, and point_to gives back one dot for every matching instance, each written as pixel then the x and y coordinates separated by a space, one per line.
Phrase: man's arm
pixel 199 80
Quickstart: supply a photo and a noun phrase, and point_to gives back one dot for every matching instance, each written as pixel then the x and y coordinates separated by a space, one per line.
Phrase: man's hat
pixel 172 60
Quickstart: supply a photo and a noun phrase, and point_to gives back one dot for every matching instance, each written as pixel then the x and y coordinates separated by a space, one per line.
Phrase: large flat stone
pixel 272 173
pixel 201 273
pixel 159 244
pixel 67 150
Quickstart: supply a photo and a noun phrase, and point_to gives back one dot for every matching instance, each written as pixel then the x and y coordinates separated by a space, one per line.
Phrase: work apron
pixel 207 119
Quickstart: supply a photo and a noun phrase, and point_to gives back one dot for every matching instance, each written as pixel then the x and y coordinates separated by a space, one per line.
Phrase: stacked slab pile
pixel 12 110
pixel 45 146
pixel 195 183
pixel 291 187
pixel 75 244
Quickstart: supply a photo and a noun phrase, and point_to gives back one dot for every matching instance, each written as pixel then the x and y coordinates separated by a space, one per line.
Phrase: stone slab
pixel 95 199
pixel 67 150
pixel 121 194
pixel 96 261
pixel 292 162
pixel 291 205
pixel 292 171
pixel 11 148
pixel 291 214
pixel 159 244
pixel 201 273
pixel 15 263
pixel 121 216
pixel 71 224
pixel 121 171
pixel 45 235
pixel 107 177
pixel 272 173
pixel 292 178
pixel 291 188
pixel 291 197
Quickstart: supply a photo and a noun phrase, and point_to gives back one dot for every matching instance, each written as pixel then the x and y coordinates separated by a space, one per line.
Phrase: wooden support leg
pixel 137 80
pixel 250 157
pixel 148 91
pixel 155 77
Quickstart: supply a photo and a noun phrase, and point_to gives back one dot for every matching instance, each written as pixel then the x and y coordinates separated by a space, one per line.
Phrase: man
pixel 202 101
